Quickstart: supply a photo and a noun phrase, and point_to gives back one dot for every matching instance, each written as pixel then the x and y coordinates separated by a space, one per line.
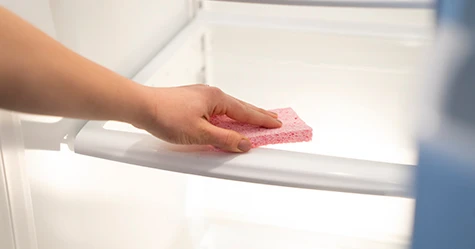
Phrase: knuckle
pixel 249 115
pixel 215 91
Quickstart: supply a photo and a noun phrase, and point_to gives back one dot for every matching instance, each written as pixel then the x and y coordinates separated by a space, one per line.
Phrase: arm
pixel 39 75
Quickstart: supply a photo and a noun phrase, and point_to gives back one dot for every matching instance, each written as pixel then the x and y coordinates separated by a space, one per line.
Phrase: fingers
pixel 242 111
pixel 245 113
pixel 224 139
pixel 272 114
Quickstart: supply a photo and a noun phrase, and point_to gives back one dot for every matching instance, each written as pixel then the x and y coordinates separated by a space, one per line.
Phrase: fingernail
pixel 244 145
pixel 273 114
pixel 279 121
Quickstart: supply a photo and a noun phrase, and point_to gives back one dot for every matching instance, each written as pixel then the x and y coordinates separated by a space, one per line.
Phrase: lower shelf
pixel 229 234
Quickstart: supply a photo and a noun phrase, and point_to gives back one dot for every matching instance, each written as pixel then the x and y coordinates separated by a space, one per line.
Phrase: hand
pixel 180 115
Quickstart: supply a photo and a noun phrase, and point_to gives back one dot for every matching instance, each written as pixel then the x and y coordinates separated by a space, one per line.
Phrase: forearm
pixel 39 75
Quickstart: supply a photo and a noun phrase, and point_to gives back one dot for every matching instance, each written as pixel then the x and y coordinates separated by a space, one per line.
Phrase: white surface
pixel 369 217
pixel 37 12
pixel 237 234
pixel 336 1
pixel 17 224
pixel 413 17
pixel 114 33
pixel 7 238
pixel 83 202
pixel 357 96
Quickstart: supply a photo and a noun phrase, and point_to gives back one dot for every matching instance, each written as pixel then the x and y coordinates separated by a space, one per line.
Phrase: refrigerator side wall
pixel 83 202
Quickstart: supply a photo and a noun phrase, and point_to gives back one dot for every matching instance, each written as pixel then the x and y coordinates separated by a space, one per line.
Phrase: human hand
pixel 180 115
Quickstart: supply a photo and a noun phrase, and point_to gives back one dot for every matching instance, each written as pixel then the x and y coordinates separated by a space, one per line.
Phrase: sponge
pixel 293 129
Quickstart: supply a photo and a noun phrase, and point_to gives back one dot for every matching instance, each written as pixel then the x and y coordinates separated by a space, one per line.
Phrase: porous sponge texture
pixel 293 129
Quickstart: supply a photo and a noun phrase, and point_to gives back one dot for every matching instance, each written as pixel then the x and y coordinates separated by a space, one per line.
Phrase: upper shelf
pixel 345 3
pixel 352 84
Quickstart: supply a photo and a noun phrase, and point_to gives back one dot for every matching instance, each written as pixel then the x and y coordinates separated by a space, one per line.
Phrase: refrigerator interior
pixel 353 83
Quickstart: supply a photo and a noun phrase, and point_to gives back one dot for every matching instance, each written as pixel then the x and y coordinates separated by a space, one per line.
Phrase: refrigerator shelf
pixel 352 83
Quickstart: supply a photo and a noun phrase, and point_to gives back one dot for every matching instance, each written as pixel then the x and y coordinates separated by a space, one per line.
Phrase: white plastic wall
pixel 122 35
pixel 17 228
pixel 34 11
pixel 81 202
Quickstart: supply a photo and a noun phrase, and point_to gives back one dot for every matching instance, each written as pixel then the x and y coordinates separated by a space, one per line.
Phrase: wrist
pixel 142 113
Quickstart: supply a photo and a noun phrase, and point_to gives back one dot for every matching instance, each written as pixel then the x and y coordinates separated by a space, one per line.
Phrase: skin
pixel 39 75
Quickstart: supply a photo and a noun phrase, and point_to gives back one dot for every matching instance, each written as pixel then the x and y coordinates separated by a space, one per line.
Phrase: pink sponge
pixel 293 129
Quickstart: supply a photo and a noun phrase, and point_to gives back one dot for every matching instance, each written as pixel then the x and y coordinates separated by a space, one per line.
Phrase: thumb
pixel 224 139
